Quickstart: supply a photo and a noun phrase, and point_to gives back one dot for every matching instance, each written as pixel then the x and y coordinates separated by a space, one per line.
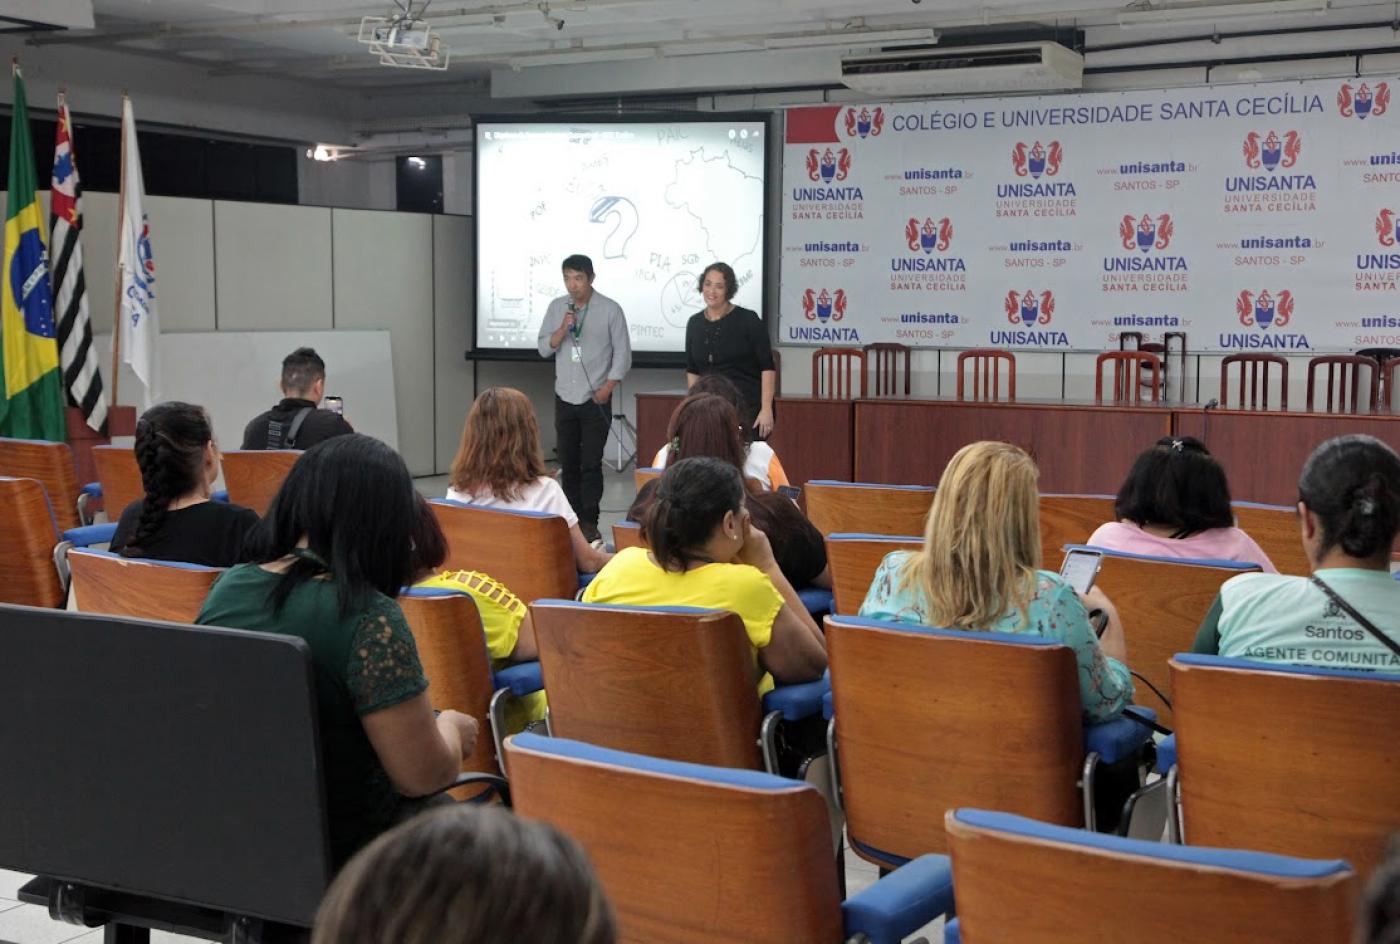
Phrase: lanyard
pixel 578 320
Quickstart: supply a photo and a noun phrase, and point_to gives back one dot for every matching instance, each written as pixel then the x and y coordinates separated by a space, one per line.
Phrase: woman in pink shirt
pixel 1176 503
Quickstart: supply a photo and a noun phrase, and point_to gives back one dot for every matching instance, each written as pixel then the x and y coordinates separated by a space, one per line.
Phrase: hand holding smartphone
pixel 1080 568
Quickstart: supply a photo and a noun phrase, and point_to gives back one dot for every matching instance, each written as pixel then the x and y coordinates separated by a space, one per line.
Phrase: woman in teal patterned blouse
pixel 979 570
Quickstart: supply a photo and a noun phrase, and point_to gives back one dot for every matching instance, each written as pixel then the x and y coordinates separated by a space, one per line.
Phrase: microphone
pixel 1211 404
pixel 573 310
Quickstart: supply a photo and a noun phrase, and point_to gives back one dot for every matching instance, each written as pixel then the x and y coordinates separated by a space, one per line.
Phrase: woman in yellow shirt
pixel 704 552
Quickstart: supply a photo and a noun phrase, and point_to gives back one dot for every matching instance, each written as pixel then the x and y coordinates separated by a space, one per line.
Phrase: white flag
pixel 136 268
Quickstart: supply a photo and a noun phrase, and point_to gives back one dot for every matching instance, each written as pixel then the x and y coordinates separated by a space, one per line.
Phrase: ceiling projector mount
pixel 402 39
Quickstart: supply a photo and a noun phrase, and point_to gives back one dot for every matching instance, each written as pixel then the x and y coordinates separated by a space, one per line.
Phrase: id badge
pixel 576 354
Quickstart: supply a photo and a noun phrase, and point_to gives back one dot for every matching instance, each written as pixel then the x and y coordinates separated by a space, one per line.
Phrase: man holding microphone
pixel 586 334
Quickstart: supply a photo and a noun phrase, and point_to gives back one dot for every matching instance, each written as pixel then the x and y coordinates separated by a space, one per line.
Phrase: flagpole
pixel 121 223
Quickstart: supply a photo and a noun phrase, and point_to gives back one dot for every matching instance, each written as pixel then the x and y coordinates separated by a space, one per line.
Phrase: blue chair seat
pixel 1120 738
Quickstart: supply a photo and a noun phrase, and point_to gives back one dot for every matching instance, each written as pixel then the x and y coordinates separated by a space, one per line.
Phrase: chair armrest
pixel 1166 755
pixel 93 489
pixel 91 534
pixel 952 932
pixel 220 496
pixel 523 678
pixel 1122 737
pixel 499 786
pixel 902 902
pixel 816 600
pixel 795 702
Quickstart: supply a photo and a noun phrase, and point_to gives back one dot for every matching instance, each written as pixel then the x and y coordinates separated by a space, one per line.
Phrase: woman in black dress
pixel 730 340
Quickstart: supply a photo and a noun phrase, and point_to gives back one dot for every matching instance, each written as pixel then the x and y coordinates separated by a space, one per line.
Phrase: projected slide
pixel 650 203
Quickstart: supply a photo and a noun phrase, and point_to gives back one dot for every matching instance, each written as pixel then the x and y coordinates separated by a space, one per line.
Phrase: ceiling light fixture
pixel 852 39
pixel 1197 13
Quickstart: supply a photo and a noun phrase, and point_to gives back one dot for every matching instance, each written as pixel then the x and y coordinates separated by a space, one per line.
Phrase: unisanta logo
pixel 1388 227
pixel 824 307
pixel 929 237
pixel 1147 233
pixel 1037 160
pixel 829 165
pixel 1029 309
pixel 1275 152
pixel 1363 101
pixel 864 123
pixel 1263 309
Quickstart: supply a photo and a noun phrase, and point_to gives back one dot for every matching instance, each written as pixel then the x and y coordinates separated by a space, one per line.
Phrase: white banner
pixel 1251 218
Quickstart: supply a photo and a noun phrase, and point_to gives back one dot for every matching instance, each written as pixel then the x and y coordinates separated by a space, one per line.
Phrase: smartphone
pixel 334 404
pixel 790 491
pixel 1080 568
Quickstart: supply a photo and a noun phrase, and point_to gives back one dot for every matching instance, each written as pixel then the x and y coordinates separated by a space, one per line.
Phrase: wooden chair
pixel 835 365
pixel 1162 602
pixel 108 583
pixel 1275 529
pixel 882 366
pixel 627 534
pixel 986 373
pixel 1254 369
pixel 51 465
pixel 1020 880
pixel 119 476
pixel 27 539
pixel 927 720
pixel 1387 386
pixel 1127 375
pixel 853 559
pixel 528 551
pixel 689 854
pixel 641 477
pixel 253 476
pixel 1069 519
pixel 864 508
pixel 1291 760
pixel 1345 390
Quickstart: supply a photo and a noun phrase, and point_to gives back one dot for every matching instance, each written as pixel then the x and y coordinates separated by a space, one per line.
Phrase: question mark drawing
pixel 615 245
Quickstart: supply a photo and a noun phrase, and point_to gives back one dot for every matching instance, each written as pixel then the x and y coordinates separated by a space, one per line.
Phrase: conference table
pixel 1081 446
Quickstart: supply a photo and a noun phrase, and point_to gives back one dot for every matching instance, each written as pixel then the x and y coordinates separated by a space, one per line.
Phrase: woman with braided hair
pixel 175 520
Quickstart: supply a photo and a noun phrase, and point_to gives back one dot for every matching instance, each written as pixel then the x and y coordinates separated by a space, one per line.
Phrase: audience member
pixel 499 465
pixel 1380 910
pixel 706 425
pixel 705 552
pixel 1347 614
pixel 760 462
pixel 1175 502
pixel 175 520
pixel 295 423
pixel 467 875
pixel 978 570
pixel 337 545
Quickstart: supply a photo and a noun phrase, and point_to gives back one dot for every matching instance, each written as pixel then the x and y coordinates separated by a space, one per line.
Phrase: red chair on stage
pixel 1255 369
pixel 882 365
pixel 986 373
pixel 1344 387
pixel 1127 375
pixel 836 366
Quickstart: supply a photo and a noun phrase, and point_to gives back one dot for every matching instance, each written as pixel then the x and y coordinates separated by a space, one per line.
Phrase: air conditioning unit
pixel 961 70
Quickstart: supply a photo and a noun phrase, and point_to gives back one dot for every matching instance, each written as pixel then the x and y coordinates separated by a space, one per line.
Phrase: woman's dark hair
pixel 1380 905
pixel 352 498
pixel 170 441
pixel 1352 483
pixel 466 875
pixel 706 425
pixel 429 543
pixel 1179 484
pixel 721 386
pixel 731 283
pixel 692 497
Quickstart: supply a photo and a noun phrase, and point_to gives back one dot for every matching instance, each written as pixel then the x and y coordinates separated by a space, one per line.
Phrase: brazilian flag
pixel 31 406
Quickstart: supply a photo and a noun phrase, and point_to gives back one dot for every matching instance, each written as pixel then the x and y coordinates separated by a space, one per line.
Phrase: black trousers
pixel 582 433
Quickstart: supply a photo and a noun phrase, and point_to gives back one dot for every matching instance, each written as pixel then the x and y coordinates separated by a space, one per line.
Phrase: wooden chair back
pixel 27 539
pixel 641 477
pixel 1275 529
pixel 930 720
pixel 853 559
pixel 864 508
pixel 1127 375
pixel 51 465
pixel 451 643
pixel 884 364
pixel 1069 519
pixel 108 583
pixel 1387 399
pixel 253 476
pixel 833 371
pixel 1254 371
pixel 627 534
pixel 1325 790
pixel 119 476
pixel 1019 880
pixel 528 551
pixel 1346 392
pixel 985 366
pixel 687 854
pixel 1162 603
pixel 674 682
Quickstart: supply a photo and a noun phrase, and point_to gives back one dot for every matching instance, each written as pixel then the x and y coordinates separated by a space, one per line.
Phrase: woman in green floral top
pixel 978 570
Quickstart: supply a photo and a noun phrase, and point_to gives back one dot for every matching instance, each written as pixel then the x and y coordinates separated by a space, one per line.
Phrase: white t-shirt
pixel 760 463
pixel 543 494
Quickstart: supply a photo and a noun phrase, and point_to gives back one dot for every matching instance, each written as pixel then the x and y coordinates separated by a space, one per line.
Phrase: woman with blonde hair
pixel 499 465
pixel 979 570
